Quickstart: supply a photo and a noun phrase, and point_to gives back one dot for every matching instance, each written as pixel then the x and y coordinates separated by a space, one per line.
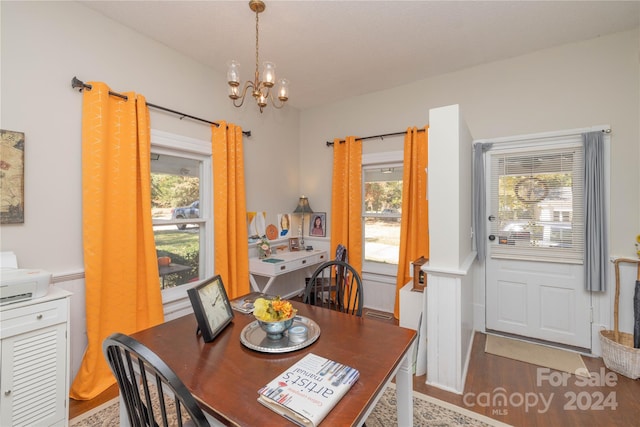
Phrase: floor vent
pixel 379 315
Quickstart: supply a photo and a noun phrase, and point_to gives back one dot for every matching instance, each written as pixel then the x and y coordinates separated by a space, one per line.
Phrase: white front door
pixel 534 269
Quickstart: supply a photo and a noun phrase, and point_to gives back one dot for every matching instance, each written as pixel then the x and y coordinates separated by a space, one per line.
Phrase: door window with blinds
pixel 536 198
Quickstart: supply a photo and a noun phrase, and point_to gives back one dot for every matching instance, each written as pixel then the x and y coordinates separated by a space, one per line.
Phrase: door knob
pixel 492 237
pixel 492 218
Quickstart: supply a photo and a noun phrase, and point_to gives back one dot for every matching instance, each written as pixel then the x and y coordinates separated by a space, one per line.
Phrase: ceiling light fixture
pixel 260 89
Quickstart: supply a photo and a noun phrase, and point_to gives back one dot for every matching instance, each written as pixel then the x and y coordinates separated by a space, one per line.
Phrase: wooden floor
pixel 518 393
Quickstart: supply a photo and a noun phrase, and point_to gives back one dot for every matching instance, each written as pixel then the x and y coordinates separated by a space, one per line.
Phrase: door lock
pixel 492 237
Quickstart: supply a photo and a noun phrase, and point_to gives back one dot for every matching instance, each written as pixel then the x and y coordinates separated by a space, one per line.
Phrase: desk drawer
pixel 291 261
pixel 32 317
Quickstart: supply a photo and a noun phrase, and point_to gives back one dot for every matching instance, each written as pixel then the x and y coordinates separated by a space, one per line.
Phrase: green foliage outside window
pixel 170 191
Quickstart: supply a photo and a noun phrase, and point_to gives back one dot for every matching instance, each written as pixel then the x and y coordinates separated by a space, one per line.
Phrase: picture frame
pixel 294 244
pixel 211 307
pixel 12 177
pixel 284 224
pixel 256 225
pixel 318 225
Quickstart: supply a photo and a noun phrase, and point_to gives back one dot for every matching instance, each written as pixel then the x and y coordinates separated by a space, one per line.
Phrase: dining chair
pixel 152 392
pixel 336 285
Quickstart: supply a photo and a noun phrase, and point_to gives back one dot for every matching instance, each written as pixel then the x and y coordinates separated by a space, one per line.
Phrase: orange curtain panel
pixel 230 209
pixel 346 199
pixel 122 288
pixel 414 229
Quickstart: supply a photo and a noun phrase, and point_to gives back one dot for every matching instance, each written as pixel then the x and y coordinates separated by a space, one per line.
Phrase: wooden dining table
pixel 224 375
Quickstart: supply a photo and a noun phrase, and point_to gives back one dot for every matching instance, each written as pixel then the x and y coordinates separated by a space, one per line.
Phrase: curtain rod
pixel 79 84
pixel 545 135
pixel 329 143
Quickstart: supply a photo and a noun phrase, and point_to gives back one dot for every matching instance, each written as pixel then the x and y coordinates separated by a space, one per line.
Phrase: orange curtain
pixel 230 209
pixel 414 229
pixel 346 199
pixel 122 288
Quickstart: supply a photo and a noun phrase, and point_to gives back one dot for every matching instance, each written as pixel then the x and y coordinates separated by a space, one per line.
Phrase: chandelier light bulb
pixel 283 90
pixel 233 73
pixel 269 74
pixel 234 92
pixel 262 100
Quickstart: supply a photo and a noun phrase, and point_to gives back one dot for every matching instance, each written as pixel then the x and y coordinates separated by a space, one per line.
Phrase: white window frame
pixel 387 159
pixel 200 150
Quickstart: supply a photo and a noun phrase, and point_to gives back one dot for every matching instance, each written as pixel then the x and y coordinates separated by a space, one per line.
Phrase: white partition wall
pixel 449 296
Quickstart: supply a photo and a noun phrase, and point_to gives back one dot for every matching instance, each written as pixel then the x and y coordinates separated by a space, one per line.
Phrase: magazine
pixel 244 304
pixel 307 391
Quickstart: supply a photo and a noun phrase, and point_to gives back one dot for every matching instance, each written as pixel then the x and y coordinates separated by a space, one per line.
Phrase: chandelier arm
pixel 273 101
pixel 247 85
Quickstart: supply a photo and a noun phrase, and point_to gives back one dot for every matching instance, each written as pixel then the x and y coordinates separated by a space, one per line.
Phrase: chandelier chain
pixel 257 38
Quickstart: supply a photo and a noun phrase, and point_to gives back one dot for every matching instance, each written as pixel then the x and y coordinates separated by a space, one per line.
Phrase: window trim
pixel 371 161
pixel 179 145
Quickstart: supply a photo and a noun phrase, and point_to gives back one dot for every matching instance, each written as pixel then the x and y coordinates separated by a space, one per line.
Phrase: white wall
pixel 44 45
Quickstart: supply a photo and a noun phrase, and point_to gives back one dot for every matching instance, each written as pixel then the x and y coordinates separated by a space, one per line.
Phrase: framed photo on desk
pixel 211 307
pixel 294 244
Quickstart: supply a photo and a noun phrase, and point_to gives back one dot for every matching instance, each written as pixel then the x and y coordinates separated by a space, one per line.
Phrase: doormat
pixel 540 355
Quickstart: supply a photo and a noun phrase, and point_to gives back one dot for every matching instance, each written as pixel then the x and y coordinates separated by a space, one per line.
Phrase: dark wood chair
pixel 152 392
pixel 336 285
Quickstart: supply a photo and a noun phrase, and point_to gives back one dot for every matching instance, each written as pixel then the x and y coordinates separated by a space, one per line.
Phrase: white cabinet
pixel 34 344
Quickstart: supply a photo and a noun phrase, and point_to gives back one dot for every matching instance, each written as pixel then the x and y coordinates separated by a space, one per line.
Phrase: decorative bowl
pixel 275 329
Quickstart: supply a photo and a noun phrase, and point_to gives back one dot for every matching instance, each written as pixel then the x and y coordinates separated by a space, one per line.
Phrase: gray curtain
pixel 479 203
pixel 595 259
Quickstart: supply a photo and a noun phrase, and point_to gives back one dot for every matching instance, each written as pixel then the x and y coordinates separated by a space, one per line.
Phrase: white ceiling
pixel 331 50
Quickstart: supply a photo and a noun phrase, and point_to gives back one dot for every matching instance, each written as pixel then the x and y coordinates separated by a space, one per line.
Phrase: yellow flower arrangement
pixel 272 310
pixel 638 245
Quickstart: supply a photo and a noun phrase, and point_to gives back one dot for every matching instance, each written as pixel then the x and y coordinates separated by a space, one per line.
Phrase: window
pixel 538 197
pixel 381 212
pixel 181 203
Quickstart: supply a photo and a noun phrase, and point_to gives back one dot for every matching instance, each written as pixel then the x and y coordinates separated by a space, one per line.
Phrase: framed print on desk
pixel 211 307
pixel 294 244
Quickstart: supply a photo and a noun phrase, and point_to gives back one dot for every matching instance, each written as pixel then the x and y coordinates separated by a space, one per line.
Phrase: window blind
pixel 536 196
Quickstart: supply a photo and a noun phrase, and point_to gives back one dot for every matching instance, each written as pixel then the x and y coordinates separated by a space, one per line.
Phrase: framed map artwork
pixel 11 177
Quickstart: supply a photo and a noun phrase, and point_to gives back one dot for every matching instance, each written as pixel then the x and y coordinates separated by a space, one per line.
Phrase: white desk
pixel 291 261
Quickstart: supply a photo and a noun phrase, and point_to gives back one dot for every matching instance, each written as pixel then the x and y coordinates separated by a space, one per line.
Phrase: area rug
pixel 427 412
pixel 540 355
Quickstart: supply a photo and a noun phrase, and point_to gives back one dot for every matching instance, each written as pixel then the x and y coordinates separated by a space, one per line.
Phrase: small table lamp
pixel 303 208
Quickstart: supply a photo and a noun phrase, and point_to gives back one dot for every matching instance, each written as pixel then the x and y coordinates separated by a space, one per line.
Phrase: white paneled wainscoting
pixel 449 325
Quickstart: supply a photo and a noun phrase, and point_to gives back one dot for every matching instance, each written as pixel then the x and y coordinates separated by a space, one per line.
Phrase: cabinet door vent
pixel 35 378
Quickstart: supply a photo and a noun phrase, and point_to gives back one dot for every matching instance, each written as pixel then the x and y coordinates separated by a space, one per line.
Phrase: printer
pixel 20 284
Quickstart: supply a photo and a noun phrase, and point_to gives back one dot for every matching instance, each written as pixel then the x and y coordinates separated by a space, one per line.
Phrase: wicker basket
pixel 617 347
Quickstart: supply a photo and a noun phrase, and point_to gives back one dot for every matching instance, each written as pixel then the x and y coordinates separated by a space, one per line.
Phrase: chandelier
pixel 261 90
